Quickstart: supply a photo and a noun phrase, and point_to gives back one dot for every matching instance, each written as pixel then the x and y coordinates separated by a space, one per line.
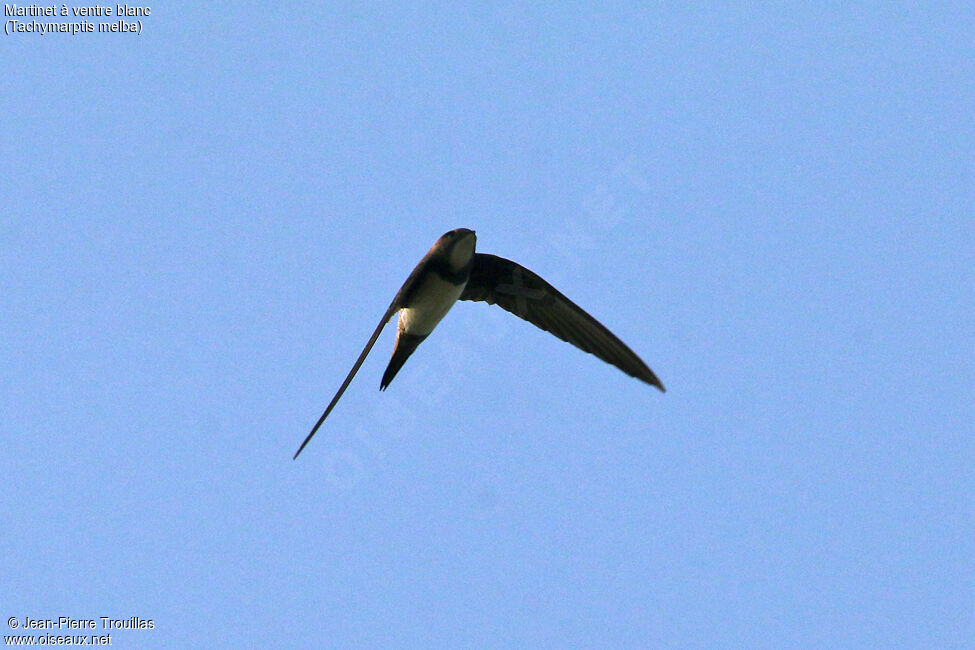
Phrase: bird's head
pixel 458 247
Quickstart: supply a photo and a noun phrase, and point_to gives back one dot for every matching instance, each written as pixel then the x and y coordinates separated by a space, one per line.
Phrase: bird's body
pixel 435 285
pixel 452 271
pixel 430 302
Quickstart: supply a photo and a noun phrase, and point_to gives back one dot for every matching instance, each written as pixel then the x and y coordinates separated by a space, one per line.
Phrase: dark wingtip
pixel 653 381
pixel 311 434
pixel 295 457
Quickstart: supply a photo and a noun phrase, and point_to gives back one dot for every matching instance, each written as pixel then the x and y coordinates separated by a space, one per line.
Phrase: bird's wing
pixel 348 380
pixel 402 297
pixel 512 287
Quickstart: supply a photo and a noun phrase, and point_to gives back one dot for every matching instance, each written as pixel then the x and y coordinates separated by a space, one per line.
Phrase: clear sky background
pixel 772 204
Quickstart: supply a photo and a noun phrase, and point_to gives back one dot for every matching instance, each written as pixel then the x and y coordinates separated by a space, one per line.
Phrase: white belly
pixel 430 304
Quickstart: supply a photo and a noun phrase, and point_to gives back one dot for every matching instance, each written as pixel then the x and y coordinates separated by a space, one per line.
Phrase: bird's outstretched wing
pixel 512 287
pixel 348 380
pixel 402 297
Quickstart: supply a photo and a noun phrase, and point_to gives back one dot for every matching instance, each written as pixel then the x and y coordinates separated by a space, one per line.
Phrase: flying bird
pixel 452 271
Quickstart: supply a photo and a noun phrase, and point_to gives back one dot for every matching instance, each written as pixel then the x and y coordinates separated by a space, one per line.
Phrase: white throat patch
pixel 461 253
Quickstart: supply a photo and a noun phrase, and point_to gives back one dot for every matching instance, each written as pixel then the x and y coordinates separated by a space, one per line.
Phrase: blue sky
pixel 772 204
